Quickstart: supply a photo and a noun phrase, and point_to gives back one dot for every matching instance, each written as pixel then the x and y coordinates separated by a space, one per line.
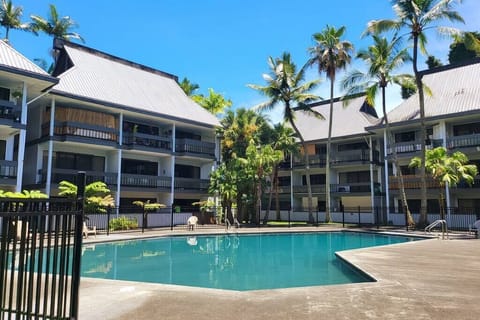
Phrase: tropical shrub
pixel 123 223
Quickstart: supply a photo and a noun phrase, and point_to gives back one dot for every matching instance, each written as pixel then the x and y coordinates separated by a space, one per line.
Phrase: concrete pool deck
pixel 431 279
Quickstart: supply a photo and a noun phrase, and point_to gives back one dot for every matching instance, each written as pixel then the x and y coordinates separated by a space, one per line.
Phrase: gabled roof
pixel 99 77
pixel 14 62
pixel 455 90
pixel 349 120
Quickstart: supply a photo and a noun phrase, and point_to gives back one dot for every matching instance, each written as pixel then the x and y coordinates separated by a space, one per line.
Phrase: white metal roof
pixel 454 90
pixel 347 120
pixel 11 58
pixel 108 79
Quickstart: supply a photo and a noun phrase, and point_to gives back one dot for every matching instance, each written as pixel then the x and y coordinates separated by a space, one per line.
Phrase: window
pixel 405 136
pixel 187 135
pixel 353 146
pixel 4 94
pixel 284 181
pixel 406 170
pixel 320 149
pixel 131 127
pixel 76 161
pixel 354 177
pixel 132 166
pixel 184 171
pixel 315 179
pixel 414 206
pixel 466 129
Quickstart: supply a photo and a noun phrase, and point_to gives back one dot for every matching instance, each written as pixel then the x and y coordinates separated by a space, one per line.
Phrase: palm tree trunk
pixel 327 165
pixel 307 172
pixel 270 196
pixel 423 185
pixel 403 195
pixel 277 199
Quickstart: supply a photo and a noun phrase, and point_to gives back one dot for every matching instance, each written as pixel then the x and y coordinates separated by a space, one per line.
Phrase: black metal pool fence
pixel 176 217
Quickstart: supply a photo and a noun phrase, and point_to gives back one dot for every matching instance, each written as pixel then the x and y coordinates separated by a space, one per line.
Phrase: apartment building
pixel 123 123
pixel 355 175
pixel 22 82
pixel 452 118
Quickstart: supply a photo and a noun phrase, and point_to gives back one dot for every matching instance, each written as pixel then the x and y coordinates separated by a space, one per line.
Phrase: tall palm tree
pixel 214 103
pixel 283 139
pixel 382 58
pixel 417 16
pixel 330 54
pixel 286 85
pixel 56 26
pixel 10 18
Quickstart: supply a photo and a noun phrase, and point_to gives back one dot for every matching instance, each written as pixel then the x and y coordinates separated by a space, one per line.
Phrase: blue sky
pixel 219 44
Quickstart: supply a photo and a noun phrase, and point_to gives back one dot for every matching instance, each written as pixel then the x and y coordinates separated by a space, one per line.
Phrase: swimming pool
pixel 233 262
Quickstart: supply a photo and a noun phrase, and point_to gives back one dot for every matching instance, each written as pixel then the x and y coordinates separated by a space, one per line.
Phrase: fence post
pixel 77 255
pixel 171 218
pixel 289 217
pixel 359 221
pixel 317 216
pixel 377 217
pixel 143 219
pixel 343 216
pixel 109 212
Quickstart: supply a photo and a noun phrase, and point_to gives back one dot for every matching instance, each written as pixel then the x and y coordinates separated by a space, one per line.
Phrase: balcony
pixel 8 172
pixel 110 178
pixel 9 111
pixel 72 130
pixel 472 140
pixel 347 188
pixel 191 185
pixel 410 182
pixel 413 146
pixel 353 157
pixel 147 141
pixel 146 181
pixel 191 146
pixel 315 160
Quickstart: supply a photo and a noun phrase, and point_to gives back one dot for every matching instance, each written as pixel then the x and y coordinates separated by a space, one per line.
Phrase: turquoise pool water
pixel 234 262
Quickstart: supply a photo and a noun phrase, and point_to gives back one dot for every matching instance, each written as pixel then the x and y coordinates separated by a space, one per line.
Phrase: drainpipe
pixel 372 191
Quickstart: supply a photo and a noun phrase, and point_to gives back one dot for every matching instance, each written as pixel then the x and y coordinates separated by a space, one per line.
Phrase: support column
pixel 48 182
pixel 22 139
pixel 172 167
pixel 372 190
pixel 119 161
pixel 387 191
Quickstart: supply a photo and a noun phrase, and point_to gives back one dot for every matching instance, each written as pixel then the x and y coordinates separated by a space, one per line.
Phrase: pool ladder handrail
pixel 435 223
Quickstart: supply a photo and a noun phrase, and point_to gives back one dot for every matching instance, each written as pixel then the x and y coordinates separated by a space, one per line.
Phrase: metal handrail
pixel 435 223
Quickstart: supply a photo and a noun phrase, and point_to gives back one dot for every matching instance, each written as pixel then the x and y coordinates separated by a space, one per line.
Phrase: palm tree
pixel 10 18
pixel 286 85
pixel 56 26
pixel 447 170
pixel 283 139
pixel 417 16
pixel 382 58
pixel 214 102
pixel 97 195
pixel 330 54
pixel 188 87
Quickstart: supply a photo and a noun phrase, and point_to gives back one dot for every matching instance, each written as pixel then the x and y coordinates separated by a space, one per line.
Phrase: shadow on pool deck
pixel 431 279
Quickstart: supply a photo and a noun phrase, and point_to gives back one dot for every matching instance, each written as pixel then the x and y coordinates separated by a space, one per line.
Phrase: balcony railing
pixel 315 160
pixel 195 147
pixel 146 181
pixel 344 157
pixel 358 187
pixel 411 182
pixel 472 140
pixel 189 184
pixel 9 110
pixel 413 146
pixel 110 178
pixel 8 169
pixel 141 140
pixel 84 130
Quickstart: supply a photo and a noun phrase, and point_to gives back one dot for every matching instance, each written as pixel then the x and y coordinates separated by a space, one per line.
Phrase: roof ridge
pixel 60 43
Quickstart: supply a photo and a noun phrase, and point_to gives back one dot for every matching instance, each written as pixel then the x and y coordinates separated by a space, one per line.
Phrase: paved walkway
pixel 431 279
